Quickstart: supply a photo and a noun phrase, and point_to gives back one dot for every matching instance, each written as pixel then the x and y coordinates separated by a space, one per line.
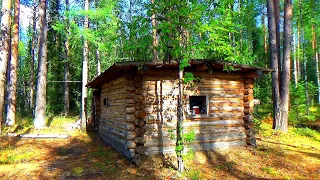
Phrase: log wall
pixel 141 112
pixel 116 126
pixel 222 126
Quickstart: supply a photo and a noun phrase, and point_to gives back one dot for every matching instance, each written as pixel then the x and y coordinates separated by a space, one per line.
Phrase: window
pixel 198 105
pixel 105 102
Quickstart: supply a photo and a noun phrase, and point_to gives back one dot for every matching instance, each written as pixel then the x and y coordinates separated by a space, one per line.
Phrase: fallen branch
pixel 59 136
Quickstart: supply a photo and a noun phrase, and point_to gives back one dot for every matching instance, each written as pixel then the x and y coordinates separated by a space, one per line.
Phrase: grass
pixel 54 125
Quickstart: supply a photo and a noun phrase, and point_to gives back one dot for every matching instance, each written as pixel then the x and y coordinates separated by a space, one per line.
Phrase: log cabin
pixel 135 106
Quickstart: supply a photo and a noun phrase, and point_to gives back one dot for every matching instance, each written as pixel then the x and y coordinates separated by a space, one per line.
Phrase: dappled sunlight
pixel 278 156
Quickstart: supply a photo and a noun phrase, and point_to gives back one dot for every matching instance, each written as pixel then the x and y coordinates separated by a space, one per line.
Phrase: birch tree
pixel 85 71
pixel 4 50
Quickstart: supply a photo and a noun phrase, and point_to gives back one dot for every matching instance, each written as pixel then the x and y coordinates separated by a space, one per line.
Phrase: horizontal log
pixel 138 77
pixel 220 137
pixel 130 118
pixel 118 124
pixel 140 122
pixel 140 150
pixel 248 118
pixel 138 84
pixel 130 89
pixel 131 135
pixel 248 86
pixel 159 143
pixel 213 109
pixel 140 114
pixel 132 152
pixel 211 81
pixel 114 131
pixel 35 136
pixel 160 150
pixel 130 110
pixel 251 141
pixel 220 122
pixel 216 130
pixel 139 98
pixel 130 144
pixel 248 125
pixel 226 104
pixel 248 110
pixel 139 131
pixel 118 147
pixel 125 144
pixel 249 80
pixel 220 75
pixel 248 97
pixel 137 159
pixel 129 101
pixel 139 140
pixel 248 104
pixel 217 145
pixel 139 91
pixel 218 116
pixel 250 132
pixel 248 91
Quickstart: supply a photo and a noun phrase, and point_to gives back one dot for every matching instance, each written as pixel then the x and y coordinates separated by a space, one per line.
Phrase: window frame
pixel 196 116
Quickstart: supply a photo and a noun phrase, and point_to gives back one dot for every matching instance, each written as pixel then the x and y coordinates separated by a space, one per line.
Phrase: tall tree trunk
pixel 154 35
pixel 67 66
pixel 295 69
pixel 265 39
pixel 315 53
pixel 285 73
pixel 180 122
pixel 33 46
pixel 274 62
pixel 40 110
pixel 13 77
pixel 277 19
pixel 85 72
pixel 4 50
pixel 98 61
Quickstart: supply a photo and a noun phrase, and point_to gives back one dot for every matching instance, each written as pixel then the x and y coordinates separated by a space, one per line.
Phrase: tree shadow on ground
pixel 217 160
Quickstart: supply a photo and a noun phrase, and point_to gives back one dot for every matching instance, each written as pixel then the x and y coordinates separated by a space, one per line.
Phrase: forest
pixel 51 49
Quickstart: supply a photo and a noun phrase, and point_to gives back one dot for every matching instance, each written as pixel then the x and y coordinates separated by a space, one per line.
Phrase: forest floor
pixel 294 155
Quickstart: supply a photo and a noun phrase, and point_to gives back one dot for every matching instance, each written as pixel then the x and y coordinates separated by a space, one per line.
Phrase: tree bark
pixel 85 72
pixel 40 110
pixel 274 62
pixel 277 19
pixel 295 70
pixel 4 50
pixel 180 122
pixel 67 66
pixel 154 35
pixel 285 73
pixel 13 76
pixel 33 46
pixel 315 52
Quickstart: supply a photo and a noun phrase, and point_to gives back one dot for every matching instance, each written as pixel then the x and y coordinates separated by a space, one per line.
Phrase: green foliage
pixel 193 174
pixel 12 155
pixel 308 133
pixel 298 111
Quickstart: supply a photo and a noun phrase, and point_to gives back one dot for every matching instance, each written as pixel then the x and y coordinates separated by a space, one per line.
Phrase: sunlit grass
pixel 10 155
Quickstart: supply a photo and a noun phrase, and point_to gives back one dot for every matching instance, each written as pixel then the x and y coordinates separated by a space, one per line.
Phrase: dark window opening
pixel 198 104
pixel 105 101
